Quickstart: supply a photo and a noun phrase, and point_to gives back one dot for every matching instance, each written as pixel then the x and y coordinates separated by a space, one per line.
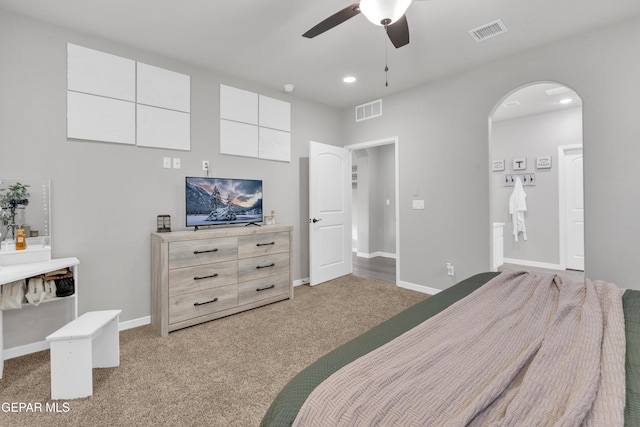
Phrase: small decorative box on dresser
pixel 197 276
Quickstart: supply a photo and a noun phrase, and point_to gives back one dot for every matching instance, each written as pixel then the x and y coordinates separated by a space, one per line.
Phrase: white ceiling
pixel 535 99
pixel 260 40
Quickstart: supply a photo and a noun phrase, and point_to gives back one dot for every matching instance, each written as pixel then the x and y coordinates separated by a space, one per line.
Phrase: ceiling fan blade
pixel 333 20
pixel 398 32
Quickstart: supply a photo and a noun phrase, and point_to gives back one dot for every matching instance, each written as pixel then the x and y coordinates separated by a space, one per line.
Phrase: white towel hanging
pixel 517 208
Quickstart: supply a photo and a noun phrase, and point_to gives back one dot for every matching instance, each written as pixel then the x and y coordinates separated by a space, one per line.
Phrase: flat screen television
pixel 214 201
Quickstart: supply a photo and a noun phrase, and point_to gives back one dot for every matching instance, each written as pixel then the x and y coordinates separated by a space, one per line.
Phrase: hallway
pixel 378 268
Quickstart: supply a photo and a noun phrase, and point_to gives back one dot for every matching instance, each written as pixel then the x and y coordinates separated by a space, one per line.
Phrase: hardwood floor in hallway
pixel 378 268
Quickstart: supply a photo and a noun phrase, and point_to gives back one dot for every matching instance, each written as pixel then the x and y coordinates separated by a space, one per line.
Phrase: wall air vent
pixel 369 110
pixel 488 31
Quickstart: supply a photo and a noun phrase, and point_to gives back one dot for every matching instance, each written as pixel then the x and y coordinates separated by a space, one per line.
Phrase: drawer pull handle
pixel 266 244
pixel 266 266
pixel 195 304
pixel 204 252
pixel 206 277
pixel 265 288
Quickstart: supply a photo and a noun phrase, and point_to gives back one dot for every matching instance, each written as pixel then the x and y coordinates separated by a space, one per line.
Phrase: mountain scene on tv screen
pixel 223 201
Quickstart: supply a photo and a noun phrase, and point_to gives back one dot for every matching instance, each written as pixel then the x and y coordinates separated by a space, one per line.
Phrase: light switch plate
pixel 166 162
pixel 176 163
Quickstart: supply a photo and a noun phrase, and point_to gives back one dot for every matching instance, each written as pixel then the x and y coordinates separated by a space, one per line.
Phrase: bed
pixel 302 391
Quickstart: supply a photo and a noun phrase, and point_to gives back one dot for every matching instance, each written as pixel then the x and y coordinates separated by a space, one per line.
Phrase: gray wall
pixel 373 218
pixel 530 137
pixel 105 197
pixel 386 190
pixel 444 151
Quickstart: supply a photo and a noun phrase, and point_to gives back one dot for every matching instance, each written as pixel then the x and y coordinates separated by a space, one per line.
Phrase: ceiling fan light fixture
pixel 384 12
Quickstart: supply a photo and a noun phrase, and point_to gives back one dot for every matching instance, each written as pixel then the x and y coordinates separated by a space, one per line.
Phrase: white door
pixel 330 212
pixel 574 209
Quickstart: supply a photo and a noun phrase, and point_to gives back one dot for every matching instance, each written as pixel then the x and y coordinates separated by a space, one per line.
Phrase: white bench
pixel 90 341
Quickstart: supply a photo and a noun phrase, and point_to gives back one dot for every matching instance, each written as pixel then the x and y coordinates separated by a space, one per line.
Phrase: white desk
pixel 9 274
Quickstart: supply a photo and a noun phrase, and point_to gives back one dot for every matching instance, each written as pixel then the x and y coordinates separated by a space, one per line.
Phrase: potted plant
pixel 11 198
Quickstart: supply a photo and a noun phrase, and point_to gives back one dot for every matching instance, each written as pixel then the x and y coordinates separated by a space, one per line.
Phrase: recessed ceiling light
pixel 557 90
pixel 349 79
pixel 566 101
pixel 511 104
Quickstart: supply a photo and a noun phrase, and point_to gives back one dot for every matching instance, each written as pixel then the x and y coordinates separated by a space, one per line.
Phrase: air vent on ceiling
pixel 369 110
pixel 488 31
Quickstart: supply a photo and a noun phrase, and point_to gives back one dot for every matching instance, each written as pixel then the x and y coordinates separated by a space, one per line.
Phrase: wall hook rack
pixel 528 179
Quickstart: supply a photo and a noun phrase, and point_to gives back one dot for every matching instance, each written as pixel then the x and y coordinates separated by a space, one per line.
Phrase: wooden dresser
pixel 197 276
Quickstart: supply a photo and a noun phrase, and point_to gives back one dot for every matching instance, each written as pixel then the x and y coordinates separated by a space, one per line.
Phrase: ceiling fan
pixel 386 13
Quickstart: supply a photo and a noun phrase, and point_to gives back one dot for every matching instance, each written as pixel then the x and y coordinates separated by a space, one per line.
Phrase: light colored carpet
pixel 220 373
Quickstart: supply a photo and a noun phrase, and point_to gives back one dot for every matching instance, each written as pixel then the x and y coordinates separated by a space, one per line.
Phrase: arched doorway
pixel 530 130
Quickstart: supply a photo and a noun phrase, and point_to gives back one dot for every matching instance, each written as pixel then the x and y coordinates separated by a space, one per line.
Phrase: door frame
pixel 562 249
pixel 562 189
pixel 376 143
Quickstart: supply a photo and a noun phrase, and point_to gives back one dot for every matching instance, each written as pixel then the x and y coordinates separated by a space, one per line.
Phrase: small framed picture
pixel 497 165
pixel 164 223
pixel 543 162
pixel 519 164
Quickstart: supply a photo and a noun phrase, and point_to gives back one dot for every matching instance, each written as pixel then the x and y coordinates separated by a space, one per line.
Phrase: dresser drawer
pixel 259 289
pixel 203 251
pixel 191 279
pixel 263 244
pixel 188 306
pixel 200 276
pixel 262 266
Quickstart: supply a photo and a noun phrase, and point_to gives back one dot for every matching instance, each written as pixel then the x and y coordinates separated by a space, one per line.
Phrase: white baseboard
pixel 376 254
pixel 22 350
pixel 528 263
pixel 299 282
pixel 419 288
pixel 130 324
pixel 401 284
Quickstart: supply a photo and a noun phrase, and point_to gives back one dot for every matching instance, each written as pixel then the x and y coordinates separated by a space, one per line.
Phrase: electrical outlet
pixel 176 162
pixel 205 165
pixel 450 269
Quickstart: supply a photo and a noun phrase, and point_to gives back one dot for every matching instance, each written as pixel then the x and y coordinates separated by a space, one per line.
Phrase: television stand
pixel 196 277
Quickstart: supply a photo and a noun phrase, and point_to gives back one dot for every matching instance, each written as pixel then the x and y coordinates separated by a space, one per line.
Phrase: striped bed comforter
pixel 522 350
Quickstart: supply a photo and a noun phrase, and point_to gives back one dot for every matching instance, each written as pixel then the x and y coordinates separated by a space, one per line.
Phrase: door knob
pixel 316 220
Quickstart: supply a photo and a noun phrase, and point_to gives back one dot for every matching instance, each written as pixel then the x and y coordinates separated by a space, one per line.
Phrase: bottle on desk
pixel 21 240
